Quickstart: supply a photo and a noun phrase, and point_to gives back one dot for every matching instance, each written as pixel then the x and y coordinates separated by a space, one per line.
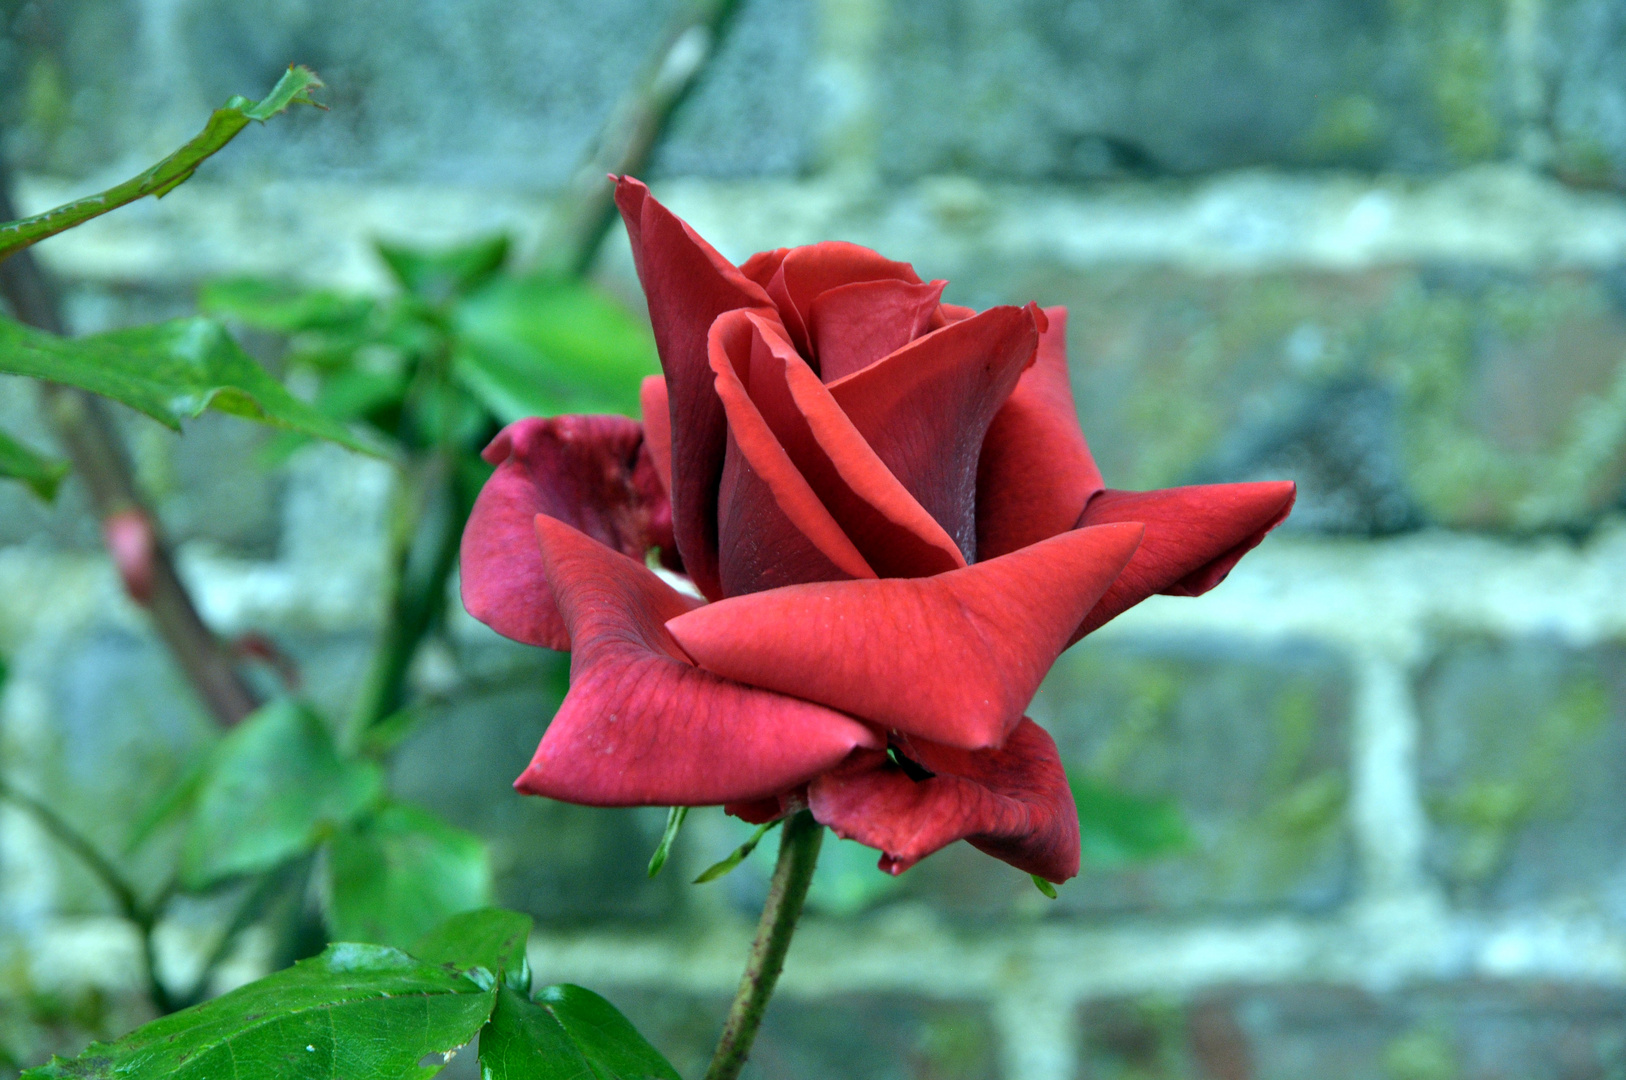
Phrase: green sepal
pixel 1043 886
pixel 674 822
pixel 739 855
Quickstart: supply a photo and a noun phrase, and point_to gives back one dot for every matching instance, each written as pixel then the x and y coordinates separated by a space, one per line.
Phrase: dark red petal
pixel 757 811
pixel 657 413
pixel 772 528
pixel 852 326
pixel 1036 473
pixel 806 272
pixel 641 725
pixel 1194 535
pixel 925 409
pixel 1013 803
pixel 893 531
pixel 953 658
pixel 950 313
pixel 584 470
pixel 762 266
pixel 688 285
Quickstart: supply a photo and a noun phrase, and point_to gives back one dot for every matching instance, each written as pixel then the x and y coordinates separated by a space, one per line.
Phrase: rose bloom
pixel 897 527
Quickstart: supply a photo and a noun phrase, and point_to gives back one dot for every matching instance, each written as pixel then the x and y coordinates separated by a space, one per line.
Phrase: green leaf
pixel 283 307
pixel 400 872
pixel 717 870
pixel 41 473
pixel 173 804
pixel 538 346
pixel 1043 886
pixel 275 787
pixel 171 371
pixel 356 1011
pixel 437 275
pixel 1117 828
pixel 489 938
pixel 568 1033
pixel 383 737
pixel 293 88
pixel 674 822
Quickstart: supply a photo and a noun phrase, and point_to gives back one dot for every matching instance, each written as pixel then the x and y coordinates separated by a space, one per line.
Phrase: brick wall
pixel 1377 248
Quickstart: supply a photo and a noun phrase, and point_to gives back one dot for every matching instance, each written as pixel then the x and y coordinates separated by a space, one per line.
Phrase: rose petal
pixel 656 409
pixel 759 811
pixel 762 266
pixel 852 326
pixel 688 285
pixel 641 726
pixel 925 409
pixel 591 471
pixel 950 313
pixel 1194 535
pixel 772 528
pixel 806 272
pixel 953 658
pixel 1036 473
pixel 1012 803
pixel 893 531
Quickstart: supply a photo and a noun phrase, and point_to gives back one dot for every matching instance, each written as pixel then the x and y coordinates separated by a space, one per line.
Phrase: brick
pixel 126 729
pixel 1588 91
pixel 1043 89
pixel 1466 1031
pixel 488 92
pixel 1251 747
pixel 1518 767
pixel 1462 396
pixel 855 1037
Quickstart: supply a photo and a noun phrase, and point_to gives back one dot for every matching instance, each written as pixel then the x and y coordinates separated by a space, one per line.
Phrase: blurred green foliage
pixel 467 341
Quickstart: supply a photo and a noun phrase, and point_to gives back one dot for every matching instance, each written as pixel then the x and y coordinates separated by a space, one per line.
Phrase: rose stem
pixel 798 854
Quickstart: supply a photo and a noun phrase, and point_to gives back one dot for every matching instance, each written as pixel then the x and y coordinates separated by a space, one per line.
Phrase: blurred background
pixel 1359 813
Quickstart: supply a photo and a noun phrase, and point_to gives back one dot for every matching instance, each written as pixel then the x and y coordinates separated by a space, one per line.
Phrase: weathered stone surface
pixel 858 1036
pixel 1520 770
pixel 495 93
pixel 1474 1031
pixel 1586 60
pixel 1452 395
pixel 1069 90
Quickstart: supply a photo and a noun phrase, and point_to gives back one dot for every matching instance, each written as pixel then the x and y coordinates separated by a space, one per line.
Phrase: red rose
pixel 890 505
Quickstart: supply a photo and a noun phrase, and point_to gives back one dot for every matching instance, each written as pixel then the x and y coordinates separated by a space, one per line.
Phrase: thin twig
pixel 635 128
pixel 88 436
pixel 792 874
pixel 124 894
pixel 248 912
pixel 422 559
